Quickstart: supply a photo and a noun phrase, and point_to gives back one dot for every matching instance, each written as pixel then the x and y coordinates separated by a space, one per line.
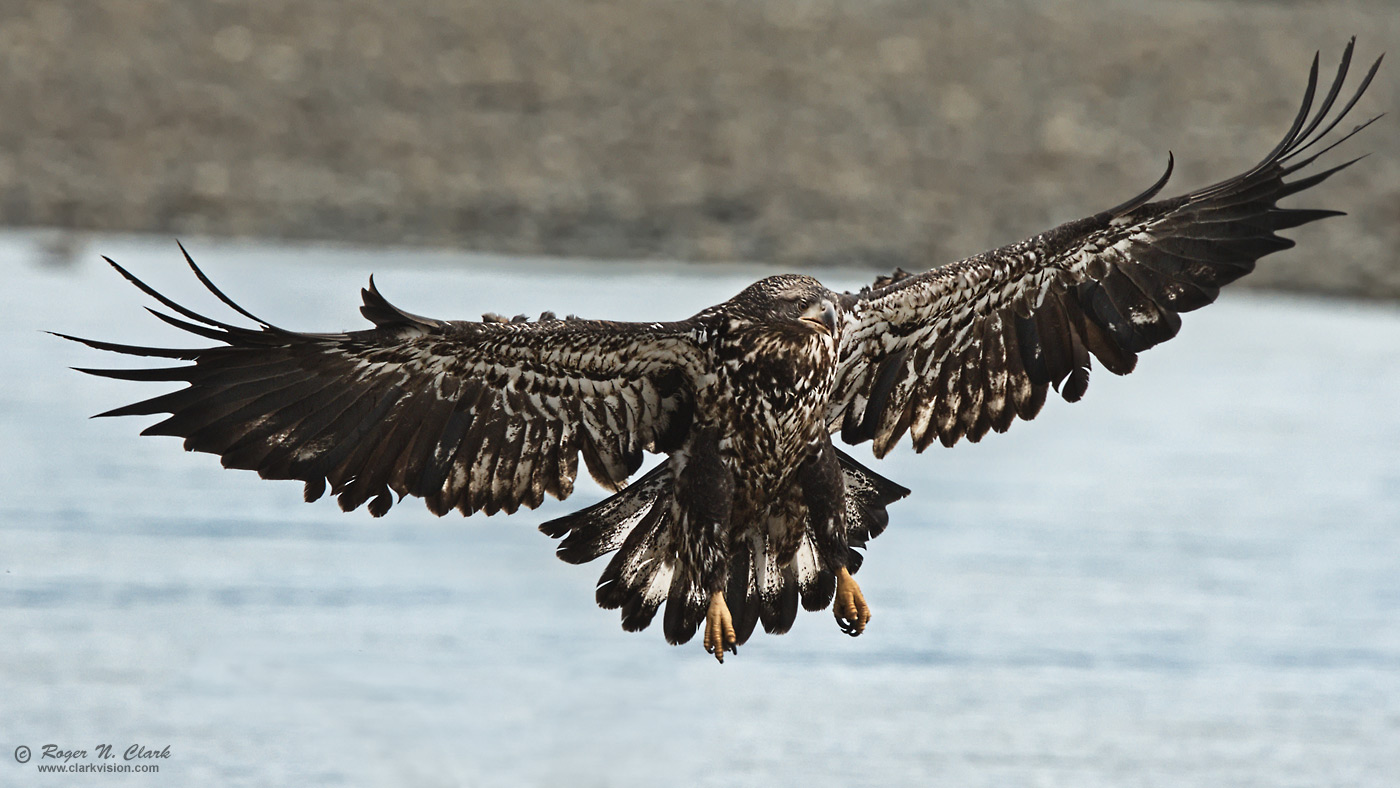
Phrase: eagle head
pixel 789 301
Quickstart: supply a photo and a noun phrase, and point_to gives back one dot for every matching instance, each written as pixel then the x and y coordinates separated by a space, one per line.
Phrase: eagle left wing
pixel 475 416
pixel 967 348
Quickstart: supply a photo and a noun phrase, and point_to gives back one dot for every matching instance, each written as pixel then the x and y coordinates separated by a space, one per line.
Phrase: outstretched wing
pixel 964 349
pixel 473 416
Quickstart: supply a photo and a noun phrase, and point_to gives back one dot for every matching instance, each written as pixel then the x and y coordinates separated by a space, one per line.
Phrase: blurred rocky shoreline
pixel 783 131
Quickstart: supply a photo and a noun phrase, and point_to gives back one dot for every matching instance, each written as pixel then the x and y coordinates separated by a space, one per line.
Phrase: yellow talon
pixel 719 628
pixel 852 614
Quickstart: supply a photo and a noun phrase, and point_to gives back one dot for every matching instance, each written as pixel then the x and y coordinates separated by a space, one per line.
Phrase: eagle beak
pixel 822 314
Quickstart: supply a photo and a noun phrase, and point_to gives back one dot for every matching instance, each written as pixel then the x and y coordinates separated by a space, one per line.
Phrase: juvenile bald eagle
pixel 754 510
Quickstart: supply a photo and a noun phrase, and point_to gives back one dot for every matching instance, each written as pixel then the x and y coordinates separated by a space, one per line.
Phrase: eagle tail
pixel 641 575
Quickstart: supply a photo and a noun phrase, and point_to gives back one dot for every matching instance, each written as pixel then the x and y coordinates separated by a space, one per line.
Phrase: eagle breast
pixel 774 354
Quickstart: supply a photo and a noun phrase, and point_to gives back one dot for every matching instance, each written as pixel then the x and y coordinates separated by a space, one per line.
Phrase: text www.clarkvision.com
pixel 102 759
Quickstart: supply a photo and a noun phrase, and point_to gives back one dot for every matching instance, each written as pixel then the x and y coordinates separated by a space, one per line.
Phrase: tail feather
pixel 816 582
pixel 639 578
pixel 778 601
pixel 741 595
pixel 685 609
pixel 867 495
pixel 601 528
pixel 637 523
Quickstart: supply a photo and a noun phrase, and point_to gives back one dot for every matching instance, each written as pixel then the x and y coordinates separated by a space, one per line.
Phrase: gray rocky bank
pixel 786 131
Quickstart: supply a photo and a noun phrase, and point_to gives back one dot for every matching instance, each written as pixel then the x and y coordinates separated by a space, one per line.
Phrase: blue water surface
pixel 1190 578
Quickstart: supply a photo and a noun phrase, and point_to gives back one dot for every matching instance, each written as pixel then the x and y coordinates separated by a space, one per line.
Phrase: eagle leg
pixel 852 614
pixel 719 628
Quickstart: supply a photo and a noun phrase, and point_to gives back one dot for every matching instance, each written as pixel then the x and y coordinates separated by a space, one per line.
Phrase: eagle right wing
pixel 966 349
pixel 473 416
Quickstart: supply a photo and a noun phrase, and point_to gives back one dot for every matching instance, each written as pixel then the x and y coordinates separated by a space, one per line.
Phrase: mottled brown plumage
pixel 754 511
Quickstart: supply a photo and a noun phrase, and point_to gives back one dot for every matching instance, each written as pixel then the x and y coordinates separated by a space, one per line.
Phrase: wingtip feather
pixel 1141 199
pixel 219 294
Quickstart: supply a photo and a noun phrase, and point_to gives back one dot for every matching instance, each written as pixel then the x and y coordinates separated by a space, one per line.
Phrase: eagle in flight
pixel 754 510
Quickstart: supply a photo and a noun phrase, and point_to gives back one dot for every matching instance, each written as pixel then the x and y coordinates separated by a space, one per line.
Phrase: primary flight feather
pixel 754 511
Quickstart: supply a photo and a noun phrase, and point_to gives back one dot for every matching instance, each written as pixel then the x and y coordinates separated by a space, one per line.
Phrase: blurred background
pixel 1192 578
pixel 877 133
